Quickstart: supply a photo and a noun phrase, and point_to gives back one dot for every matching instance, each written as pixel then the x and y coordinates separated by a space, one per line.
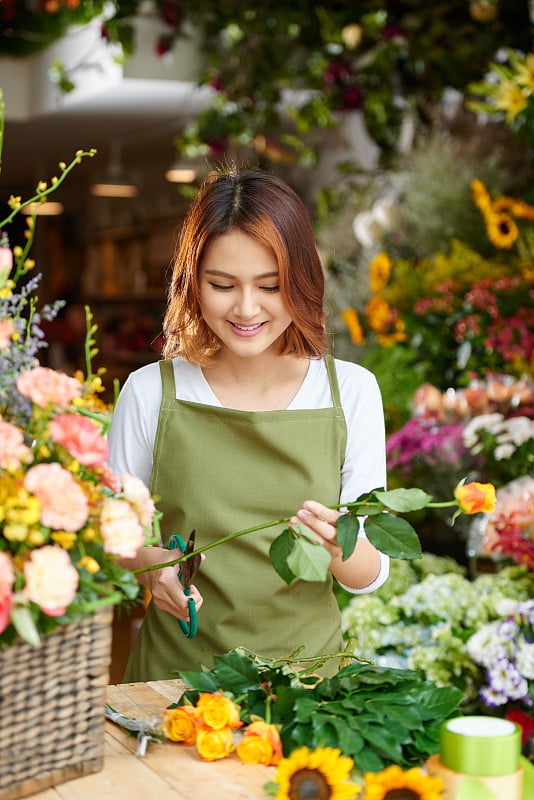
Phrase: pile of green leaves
pixel 376 715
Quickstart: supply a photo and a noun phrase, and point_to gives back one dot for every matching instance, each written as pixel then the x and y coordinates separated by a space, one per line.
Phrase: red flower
pixel 525 722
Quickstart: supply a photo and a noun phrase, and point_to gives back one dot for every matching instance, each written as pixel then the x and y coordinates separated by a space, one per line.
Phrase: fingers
pixel 322 522
pixel 168 593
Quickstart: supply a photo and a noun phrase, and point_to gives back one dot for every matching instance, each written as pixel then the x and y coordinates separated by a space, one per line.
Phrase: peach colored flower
pixel 7 577
pixel 260 744
pixel 121 530
pixel 81 437
pixel 475 497
pixel 108 477
pixel 7 329
pixel 64 505
pixel 13 451
pixel 217 711
pixel 43 386
pixel 138 496
pixel 214 744
pixel 180 724
pixel 51 579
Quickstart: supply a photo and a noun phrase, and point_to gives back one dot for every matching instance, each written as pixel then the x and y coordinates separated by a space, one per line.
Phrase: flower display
pixel 58 538
pixel 424 619
pixel 508 532
pixel 504 649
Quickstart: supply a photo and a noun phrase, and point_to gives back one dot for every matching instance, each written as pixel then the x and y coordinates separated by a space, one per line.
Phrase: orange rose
pixel 214 744
pixel 180 724
pixel 217 711
pixel 260 744
pixel 475 497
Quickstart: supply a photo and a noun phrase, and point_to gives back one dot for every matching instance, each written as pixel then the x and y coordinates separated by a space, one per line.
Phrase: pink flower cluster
pixel 63 511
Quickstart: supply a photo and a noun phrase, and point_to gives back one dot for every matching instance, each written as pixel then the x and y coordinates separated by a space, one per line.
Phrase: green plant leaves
pixel 393 536
pixel 376 715
pixel 347 533
pixel 403 500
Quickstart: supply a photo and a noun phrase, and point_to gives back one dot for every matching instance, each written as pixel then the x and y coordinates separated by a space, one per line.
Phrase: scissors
pixel 188 570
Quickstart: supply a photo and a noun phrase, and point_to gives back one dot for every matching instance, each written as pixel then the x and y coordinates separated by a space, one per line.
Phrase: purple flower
pixel 424 439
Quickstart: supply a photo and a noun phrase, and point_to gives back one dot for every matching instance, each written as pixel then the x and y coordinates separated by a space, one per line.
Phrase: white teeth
pixel 246 327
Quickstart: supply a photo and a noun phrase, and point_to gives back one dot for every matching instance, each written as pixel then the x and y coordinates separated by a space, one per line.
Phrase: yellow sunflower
pixel 380 269
pixel 502 230
pixel 394 783
pixel 319 774
pixel 352 321
pixel 525 72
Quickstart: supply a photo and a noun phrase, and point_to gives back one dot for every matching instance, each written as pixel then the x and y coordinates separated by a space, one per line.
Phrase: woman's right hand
pixel 164 584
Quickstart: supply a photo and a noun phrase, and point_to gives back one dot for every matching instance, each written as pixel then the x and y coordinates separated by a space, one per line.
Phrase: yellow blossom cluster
pixel 500 215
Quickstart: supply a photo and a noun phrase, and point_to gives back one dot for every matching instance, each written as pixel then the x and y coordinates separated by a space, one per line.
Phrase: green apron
pixel 220 470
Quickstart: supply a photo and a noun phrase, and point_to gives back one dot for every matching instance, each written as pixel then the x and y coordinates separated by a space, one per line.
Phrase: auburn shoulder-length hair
pixel 264 207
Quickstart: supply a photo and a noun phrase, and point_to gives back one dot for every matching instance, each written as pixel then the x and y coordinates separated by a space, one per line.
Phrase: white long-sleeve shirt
pixel 133 429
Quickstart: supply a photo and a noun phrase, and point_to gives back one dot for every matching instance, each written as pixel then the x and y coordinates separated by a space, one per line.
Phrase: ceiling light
pixel 113 189
pixel 179 173
pixel 115 182
pixel 46 209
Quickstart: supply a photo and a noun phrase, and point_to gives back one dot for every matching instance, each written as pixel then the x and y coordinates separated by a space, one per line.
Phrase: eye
pixel 220 287
pixel 270 288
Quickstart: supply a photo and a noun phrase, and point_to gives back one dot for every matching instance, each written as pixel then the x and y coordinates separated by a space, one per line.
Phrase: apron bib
pixel 220 470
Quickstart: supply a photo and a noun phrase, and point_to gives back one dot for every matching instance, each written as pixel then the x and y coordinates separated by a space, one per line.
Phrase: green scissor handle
pixel 188 628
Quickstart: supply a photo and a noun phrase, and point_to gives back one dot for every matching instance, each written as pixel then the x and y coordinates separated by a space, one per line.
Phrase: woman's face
pixel 240 297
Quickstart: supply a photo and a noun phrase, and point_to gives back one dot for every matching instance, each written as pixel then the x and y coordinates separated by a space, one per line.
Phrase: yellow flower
pixel 379 314
pixel 518 208
pixel 180 724
pixel 66 539
pixel 475 497
pixel 480 196
pixel 502 230
pixel 510 98
pixel 352 321
pixel 393 782
pixel 352 35
pixel 320 773
pixel 91 564
pixel 379 271
pixel 213 745
pixel 260 744
pixel 217 711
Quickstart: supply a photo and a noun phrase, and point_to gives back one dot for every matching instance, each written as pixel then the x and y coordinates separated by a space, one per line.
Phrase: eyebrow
pixel 222 274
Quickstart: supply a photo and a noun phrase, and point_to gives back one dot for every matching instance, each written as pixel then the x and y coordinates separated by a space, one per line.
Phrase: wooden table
pixel 168 771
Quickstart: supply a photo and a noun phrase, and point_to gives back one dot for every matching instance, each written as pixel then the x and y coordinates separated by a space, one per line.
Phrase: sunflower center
pixel 402 794
pixel 504 227
pixel 309 784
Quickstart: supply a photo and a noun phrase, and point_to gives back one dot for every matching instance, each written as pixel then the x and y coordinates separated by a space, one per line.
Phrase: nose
pixel 247 304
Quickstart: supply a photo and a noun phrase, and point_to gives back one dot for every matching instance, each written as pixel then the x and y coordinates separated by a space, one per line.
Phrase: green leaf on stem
pixel 279 553
pixel 404 500
pixel 347 533
pixel 393 536
pixel 309 561
pixel 24 624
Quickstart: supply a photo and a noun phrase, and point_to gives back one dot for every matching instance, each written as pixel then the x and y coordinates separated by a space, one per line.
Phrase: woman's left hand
pixel 322 521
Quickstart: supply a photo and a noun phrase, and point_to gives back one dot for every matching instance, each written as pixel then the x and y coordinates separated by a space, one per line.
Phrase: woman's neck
pixel 266 384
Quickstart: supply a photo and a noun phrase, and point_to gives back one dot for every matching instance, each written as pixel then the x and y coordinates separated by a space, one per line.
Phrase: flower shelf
pixel 52 699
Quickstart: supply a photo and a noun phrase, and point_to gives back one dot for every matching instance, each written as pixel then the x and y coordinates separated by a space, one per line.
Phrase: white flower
pixel 485 646
pixel 386 212
pixel 506 607
pixel 51 579
pixel 366 229
pixel 121 531
pixel 525 659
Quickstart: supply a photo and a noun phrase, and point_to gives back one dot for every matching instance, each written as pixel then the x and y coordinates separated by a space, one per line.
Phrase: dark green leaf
pixel 404 500
pixel 308 561
pixel 347 534
pixel 393 535
pixel 305 708
pixel 236 671
pixel 279 553
pixel 201 681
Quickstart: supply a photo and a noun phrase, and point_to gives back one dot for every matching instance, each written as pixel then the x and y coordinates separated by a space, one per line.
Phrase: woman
pixel 245 419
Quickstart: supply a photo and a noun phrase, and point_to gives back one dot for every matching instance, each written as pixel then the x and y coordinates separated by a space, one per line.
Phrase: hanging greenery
pixel 280 71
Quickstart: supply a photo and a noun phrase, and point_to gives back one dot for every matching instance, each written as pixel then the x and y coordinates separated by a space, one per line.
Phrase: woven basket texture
pixel 52 700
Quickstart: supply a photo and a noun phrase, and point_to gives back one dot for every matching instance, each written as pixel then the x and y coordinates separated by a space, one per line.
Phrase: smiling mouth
pixel 247 327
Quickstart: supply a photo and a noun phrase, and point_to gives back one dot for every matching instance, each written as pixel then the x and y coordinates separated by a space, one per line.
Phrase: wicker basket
pixel 52 700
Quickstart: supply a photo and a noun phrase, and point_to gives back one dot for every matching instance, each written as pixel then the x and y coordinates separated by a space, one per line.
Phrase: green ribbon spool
pixel 483 746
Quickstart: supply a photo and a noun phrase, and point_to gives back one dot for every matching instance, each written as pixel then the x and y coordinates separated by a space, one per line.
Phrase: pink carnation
pixel 120 527
pixel 13 451
pixel 43 386
pixel 63 504
pixel 7 577
pixel 108 477
pixel 138 495
pixel 51 579
pixel 81 437
pixel 7 329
